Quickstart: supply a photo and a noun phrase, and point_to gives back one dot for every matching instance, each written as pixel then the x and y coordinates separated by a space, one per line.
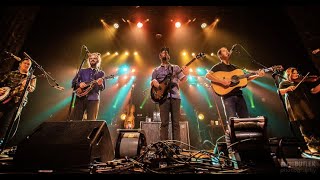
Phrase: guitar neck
pixel 191 61
pixel 254 73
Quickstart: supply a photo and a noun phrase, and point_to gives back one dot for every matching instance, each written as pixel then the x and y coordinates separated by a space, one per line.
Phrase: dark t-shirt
pixel 227 68
pixel 299 103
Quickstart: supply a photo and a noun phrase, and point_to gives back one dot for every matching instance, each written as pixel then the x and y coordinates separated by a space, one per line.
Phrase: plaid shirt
pixel 13 80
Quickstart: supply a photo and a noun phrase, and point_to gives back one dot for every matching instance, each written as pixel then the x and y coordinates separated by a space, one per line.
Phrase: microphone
pixel 13 56
pixel 233 49
pixel 60 88
pixel 86 49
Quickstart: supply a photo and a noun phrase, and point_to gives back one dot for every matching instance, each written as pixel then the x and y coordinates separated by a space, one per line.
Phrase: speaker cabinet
pixel 130 143
pixel 61 145
pixel 152 132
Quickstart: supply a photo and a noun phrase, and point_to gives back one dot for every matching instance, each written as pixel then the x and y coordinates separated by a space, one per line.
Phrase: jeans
pixel 175 118
pixel 82 105
pixel 235 106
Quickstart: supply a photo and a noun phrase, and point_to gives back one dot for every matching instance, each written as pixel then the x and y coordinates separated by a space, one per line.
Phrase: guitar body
pixel 234 76
pixel 159 95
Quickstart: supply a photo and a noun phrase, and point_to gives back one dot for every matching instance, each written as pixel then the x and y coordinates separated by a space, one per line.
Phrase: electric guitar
pixel 237 77
pixel 159 94
pixel 80 92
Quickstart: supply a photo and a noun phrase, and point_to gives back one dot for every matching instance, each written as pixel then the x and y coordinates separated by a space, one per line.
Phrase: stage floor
pixel 180 162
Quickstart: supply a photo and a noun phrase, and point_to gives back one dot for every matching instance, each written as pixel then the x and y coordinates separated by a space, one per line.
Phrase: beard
pixel 164 58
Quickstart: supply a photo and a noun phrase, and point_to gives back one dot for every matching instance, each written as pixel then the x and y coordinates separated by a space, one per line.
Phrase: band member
pixel 233 102
pixel 298 100
pixel 171 105
pixel 90 102
pixel 9 105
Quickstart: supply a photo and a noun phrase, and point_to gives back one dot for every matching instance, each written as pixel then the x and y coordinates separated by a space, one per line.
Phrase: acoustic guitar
pixel 130 109
pixel 159 94
pixel 237 77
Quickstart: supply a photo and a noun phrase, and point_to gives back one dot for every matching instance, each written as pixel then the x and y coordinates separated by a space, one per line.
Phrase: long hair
pixel 288 73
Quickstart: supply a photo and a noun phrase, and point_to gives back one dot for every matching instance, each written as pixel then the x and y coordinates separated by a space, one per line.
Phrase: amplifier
pixel 152 132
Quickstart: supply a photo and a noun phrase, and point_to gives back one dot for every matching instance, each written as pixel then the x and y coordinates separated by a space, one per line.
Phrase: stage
pixel 163 157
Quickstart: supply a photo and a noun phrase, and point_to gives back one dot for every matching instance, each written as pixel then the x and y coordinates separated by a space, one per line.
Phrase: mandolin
pixel 80 92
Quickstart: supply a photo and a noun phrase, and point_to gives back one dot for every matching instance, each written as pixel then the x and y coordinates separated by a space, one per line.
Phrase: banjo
pixel 4 98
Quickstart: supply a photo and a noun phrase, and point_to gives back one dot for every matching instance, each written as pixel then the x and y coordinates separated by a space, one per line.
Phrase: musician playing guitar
pixel 172 102
pixel 89 102
pixel 11 91
pixel 233 102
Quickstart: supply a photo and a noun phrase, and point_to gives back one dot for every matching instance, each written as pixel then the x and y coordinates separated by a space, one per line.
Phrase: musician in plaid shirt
pixel 16 81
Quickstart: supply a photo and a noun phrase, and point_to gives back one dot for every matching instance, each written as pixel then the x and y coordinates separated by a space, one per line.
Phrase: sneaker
pixel 313 149
pixel 312 144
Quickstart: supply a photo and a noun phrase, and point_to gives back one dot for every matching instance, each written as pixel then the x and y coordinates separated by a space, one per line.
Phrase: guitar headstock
pixel 110 76
pixel 200 55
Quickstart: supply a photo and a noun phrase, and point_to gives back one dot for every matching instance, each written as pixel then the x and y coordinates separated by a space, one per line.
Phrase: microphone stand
pixel 170 91
pixel 24 94
pixel 252 59
pixel 45 73
pixel 277 78
pixel 73 86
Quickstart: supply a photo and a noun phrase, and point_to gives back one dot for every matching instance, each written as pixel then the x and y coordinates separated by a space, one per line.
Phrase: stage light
pixel 123 116
pixel 200 116
pixel 178 24
pixel 184 53
pixel 116 25
pixel 193 54
pixel 135 53
pixel 191 70
pixel 116 53
pixel 108 53
pixel 139 25
pixel 126 53
pixel 212 54
pixel 203 25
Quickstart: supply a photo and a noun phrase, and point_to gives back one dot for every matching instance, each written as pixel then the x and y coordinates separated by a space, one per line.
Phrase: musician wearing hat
pixel 166 79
